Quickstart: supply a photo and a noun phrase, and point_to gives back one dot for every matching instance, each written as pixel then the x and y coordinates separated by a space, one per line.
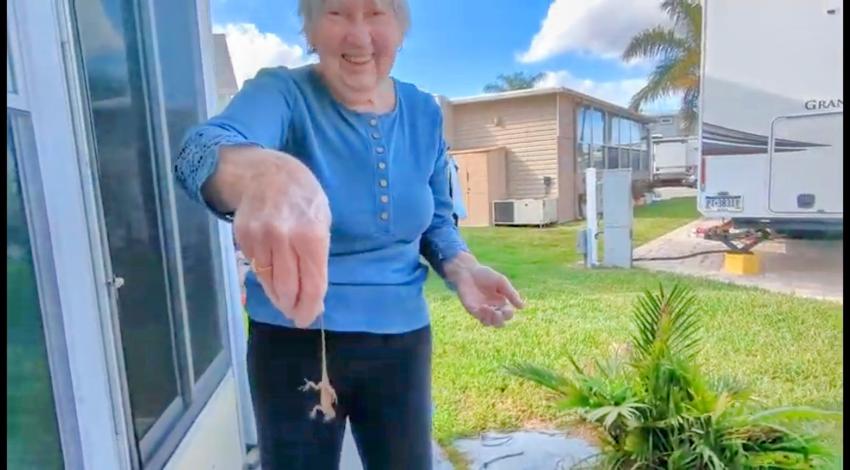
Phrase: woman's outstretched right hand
pixel 282 224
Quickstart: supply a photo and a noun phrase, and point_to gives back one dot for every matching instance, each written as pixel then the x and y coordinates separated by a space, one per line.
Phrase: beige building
pixel 534 144
pixel 225 79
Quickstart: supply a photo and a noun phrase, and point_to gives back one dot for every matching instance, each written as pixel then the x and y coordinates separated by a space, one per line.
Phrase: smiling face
pixel 356 41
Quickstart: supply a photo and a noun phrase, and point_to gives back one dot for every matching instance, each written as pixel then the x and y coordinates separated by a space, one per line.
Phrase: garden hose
pixel 676 258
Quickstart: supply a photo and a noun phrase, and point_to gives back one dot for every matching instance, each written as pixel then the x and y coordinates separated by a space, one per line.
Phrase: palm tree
pixel 677 51
pixel 513 81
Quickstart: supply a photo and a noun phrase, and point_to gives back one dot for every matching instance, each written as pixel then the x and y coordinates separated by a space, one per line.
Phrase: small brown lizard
pixel 327 394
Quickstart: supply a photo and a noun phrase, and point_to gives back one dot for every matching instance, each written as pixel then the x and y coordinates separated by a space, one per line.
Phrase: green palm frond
pixel 729 385
pixel 666 323
pixel 800 453
pixel 513 81
pixel 541 376
pixel 689 109
pixel 684 318
pixel 684 73
pixel 628 414
pixel 708 458
pixel 679 10
pixel 677 51
pixel 692 21
pixel 658 85
pixel 655 42
pixel 494 88
pixel 647 317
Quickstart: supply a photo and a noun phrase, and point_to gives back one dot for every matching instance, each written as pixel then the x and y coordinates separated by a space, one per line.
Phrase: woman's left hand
pixel 487 295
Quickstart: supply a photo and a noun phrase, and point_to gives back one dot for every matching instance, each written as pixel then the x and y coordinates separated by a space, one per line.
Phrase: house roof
pixel 225 80
pixel 581 97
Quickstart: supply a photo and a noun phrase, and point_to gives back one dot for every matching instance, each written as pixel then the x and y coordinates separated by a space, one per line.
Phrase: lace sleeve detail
pixel 198 159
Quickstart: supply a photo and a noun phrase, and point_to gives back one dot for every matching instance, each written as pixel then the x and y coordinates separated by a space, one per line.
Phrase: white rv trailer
pixel 771 114
pixel 675 160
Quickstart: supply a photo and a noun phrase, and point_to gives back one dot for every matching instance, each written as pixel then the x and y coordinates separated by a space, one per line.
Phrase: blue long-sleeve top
pixel 385 176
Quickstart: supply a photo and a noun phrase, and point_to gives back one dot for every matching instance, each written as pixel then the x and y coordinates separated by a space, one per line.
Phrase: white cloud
pixel 251 50
pixel 598 27
pixel 619 92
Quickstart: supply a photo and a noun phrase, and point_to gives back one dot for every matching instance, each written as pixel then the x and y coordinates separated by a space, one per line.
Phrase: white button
pixel 379 149
pixel 385 199
pixel 373 122
pixel 383 183
pixel 385 216
pixel 382 165
pixel 375 135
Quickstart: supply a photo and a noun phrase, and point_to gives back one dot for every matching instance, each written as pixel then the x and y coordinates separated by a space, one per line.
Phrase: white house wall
pixel 213 440
pixel 527 127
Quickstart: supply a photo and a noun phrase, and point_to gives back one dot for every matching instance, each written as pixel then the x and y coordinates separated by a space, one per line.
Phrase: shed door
pixel 472 172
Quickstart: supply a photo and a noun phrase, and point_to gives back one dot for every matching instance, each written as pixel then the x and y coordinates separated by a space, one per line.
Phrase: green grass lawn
pixel 787 349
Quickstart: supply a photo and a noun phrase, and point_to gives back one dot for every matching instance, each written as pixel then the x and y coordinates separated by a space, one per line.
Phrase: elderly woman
pixel 335 177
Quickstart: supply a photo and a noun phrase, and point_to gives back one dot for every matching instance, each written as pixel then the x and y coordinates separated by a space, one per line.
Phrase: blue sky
pixel 455 47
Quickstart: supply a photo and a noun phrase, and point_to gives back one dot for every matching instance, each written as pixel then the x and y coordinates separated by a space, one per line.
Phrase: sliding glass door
pixel 143 80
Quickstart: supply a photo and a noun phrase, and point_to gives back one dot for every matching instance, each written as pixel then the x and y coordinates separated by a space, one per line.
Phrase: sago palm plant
pixel 655 410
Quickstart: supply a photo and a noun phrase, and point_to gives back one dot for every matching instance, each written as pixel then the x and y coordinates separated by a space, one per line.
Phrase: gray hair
pixel 309 10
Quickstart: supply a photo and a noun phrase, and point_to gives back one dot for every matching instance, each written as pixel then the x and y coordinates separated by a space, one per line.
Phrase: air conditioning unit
pixel 525 212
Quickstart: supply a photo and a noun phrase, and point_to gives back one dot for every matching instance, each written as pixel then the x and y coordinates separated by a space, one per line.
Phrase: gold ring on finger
pixel 259 270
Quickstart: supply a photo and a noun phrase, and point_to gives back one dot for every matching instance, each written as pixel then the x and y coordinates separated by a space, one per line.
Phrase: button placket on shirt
pixel 381 165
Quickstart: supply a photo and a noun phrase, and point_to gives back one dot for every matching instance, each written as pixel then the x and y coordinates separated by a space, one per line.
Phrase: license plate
pixel 724 203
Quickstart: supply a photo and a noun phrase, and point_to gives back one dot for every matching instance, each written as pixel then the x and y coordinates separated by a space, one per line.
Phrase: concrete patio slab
pixel 806 268
pixel 525 450
pixel 351 459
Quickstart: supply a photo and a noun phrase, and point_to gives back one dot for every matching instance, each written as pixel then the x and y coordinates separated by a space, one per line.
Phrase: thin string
pixel 325 375
pixel 324 348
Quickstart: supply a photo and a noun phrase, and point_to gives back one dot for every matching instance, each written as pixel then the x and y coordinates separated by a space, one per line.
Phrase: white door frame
pixel 43 53
pixel 236 328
